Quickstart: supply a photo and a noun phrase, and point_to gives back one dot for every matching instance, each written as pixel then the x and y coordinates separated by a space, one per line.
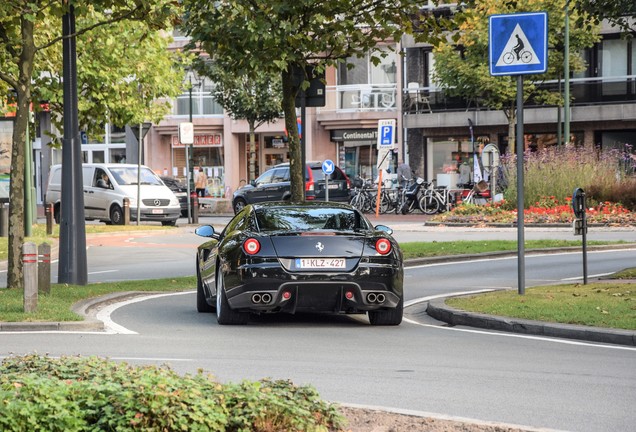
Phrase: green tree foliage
pixel 255 99
pixel 116 64
pixel 620 13
pixel 30 36
pixel 280 36
pixel 462 67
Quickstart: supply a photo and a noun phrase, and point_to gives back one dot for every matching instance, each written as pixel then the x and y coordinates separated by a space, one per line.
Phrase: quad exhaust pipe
pixel 263 298
pixel 376 298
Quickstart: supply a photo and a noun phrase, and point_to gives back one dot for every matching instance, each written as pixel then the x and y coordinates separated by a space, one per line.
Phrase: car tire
pixel 169 223
pixel 387 317
pixel 224 314
pixel 56 214
pixel 202 304
pixel 116 215
pixel 239 204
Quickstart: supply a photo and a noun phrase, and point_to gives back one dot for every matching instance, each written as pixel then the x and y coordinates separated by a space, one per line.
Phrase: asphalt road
pixel 421 365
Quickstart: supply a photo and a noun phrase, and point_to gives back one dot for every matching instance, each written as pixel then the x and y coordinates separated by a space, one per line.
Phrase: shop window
pixel 118 155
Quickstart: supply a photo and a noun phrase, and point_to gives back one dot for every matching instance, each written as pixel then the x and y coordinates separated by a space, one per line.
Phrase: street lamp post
pixel 566 75
pixel 72 268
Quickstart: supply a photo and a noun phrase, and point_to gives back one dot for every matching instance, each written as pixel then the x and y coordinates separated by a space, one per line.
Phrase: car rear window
pixel 320 176
pixel 308 219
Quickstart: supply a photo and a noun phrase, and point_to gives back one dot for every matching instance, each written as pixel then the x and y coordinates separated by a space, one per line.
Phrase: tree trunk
pixel 252 168
pixel 512 129
pixel 16 193
pixel 296 170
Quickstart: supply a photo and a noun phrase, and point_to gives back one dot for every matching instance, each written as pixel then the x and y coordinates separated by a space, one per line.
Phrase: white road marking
pixel 114 328
pixel 502 334
pixel 590 276
pixel 103 271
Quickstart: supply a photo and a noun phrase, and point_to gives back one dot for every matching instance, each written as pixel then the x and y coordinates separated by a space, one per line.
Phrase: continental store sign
pixel 207 140
pixel 354 135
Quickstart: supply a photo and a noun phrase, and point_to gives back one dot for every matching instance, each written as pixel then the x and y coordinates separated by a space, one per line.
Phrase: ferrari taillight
pixel 251 246
pixel 383 246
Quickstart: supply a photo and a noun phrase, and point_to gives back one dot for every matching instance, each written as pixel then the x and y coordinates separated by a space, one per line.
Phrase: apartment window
pixel 365 72
pixel 202 101
pixel 616 62
pixel 363 85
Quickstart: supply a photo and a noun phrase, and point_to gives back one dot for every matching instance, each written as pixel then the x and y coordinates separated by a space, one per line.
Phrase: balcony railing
pixel 584 91
pixel 361 98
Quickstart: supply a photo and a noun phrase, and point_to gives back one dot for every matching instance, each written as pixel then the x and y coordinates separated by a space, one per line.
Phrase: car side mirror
pixel 253 183
pixel 384 228
pixel 206 231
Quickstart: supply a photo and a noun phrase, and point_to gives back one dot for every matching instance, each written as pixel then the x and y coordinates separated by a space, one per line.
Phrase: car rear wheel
pixel 224 314
pixel 239 204
pixel 387 316
pixel 202 304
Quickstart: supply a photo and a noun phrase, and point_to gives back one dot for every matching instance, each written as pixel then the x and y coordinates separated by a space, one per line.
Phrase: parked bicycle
pixel 363 196
pixel 436 199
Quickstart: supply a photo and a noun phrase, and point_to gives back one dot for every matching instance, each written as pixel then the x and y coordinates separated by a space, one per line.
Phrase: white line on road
pixel 112 327
pixel 591 276
pixel 103 271
pixel 490 333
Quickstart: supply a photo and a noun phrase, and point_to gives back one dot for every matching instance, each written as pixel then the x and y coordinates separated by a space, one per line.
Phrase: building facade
pixel 436 134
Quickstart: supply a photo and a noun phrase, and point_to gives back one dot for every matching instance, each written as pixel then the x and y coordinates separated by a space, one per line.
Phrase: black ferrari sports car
pixel 300 257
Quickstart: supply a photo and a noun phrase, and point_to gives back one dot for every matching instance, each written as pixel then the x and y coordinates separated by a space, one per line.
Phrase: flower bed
pixel 547 211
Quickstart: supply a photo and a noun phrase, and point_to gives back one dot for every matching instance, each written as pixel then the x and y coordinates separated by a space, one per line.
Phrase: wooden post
pixel 30 268
pixel 44 268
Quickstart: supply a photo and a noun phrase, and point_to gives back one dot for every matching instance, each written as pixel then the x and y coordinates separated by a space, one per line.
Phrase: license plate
pixel 157 211
pixel 333 186
pixel 320 263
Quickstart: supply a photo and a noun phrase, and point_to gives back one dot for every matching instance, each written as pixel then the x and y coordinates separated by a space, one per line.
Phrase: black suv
pixel 274 185
pixel 180 190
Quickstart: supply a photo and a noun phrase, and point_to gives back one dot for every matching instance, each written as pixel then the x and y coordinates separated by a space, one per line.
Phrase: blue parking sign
pixel 386 133
pixel 518 43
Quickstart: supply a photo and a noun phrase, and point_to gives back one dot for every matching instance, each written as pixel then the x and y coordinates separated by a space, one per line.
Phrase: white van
pixel 105 187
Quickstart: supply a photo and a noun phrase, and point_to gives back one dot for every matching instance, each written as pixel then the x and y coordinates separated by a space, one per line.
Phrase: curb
pixel 442 312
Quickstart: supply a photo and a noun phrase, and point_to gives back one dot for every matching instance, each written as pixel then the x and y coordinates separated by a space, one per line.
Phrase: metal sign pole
pixel 521 268
pixel 139 144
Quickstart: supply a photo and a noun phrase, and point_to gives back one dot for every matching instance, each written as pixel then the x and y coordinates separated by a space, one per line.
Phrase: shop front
pixel 450 160
pixel 357 151
pixel 208 154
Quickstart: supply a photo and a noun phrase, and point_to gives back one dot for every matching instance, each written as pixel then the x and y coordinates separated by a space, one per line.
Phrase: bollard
pixel 126 210
pixel 30 269
pixel 4 220
pixel 48 214
pixel 44 268
pixel 195 208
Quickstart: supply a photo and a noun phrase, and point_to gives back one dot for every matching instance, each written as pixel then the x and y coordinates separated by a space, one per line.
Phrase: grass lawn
pixel 601 304
pixel 431 249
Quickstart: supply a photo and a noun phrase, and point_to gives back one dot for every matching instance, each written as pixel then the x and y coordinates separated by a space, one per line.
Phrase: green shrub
pixel 557 171
pixel 39 393
pixel 623 192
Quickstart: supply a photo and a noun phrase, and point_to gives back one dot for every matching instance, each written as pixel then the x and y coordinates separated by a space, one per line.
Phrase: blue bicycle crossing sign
pixel 518 43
